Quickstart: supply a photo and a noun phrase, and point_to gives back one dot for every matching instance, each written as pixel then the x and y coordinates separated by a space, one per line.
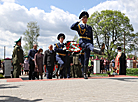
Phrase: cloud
pixel 14 19
pixel 11 1
pixel 129 7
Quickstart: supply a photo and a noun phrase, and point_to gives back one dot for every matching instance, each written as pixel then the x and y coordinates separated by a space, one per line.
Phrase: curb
pixel 20 80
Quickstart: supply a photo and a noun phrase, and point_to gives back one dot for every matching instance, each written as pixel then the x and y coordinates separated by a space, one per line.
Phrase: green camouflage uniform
pixel 17 58
pixel 76 68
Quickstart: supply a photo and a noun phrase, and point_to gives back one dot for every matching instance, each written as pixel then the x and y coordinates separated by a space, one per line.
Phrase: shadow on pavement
pixel 16 99
pixel 25 78
pixel 125 79
pixel 4 86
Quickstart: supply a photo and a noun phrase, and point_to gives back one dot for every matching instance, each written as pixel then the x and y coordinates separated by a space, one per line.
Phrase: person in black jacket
pixel 48 61
pixel 31 55
pixel 122 61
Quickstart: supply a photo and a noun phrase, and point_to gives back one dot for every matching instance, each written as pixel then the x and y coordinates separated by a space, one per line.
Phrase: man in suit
pixel 61 54
pixel 17 58
pixel 31 55
pixel 86 39
pixel 48 61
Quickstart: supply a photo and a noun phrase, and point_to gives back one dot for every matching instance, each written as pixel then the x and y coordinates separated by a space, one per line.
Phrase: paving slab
pixel 115 89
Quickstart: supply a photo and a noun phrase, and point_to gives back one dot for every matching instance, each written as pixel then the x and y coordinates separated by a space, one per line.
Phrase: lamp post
pixel 124 42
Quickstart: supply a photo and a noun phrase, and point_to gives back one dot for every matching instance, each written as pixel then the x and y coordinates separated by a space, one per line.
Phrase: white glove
pixel 64 48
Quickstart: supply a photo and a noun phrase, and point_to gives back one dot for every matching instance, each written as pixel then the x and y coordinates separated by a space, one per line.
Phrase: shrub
pixel 1 76
pixel 133 71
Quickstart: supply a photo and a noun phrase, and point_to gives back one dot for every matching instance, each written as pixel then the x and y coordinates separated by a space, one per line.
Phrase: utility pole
pixel 124 42
pixel 4 51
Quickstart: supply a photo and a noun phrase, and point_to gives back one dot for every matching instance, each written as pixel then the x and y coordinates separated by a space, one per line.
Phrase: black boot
pixel 85 77
pixel 85 71
pixel 99 51
pixel 41 77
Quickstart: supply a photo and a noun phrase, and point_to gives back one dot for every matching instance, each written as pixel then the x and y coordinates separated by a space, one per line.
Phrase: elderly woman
pixel 38 59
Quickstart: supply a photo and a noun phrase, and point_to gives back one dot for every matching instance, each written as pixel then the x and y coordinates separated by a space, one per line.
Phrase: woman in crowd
pixel 101 64
pixel 105 65
pixel 113 64
pixel 134 62
pixel 137 62
pixel 38 59
pixel 26 65
pixel 92 63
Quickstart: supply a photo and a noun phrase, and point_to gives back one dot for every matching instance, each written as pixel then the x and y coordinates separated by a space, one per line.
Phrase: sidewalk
pixel 117 89
pixel 94 89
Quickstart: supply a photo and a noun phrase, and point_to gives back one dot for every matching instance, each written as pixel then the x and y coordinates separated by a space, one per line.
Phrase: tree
pixel 30 36
pixel 109 27
pixel 75 38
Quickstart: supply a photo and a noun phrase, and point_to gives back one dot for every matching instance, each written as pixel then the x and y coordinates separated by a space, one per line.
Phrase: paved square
pixel 77 90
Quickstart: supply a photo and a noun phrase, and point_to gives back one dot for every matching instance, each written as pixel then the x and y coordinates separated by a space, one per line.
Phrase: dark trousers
pixel 82 63
pixel 87 47
pixel 68 72
pixel 31 71
pixel 107 67
pixel 49 72
pixel 90 69
pixel 86 59
pixel 12 74
pixel 62 71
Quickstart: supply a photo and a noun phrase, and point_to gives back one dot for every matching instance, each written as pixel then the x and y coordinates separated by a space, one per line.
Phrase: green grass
pixel 107 74
pixel 1 76
pixel 99 74
pixel 131 75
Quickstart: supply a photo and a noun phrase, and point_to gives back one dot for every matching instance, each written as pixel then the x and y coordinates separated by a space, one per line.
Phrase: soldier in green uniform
pixel 76 68
pixel 17 58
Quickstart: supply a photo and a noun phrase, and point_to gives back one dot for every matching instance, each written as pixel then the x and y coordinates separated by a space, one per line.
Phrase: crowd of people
pixel 70 63
pixel 39 63
pixel 35 64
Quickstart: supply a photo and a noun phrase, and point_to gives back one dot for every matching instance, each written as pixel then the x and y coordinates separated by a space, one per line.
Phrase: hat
pixel 19 40
pixel 60 36
pixel 119 48
pixel 91 55
pixel 84 13
pixel 25 56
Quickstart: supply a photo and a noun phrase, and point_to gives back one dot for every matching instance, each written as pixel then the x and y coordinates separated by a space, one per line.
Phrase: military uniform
pixel 17 58
pixel 86 40
pixel 76 68
pixel 60 55
pixel 81 58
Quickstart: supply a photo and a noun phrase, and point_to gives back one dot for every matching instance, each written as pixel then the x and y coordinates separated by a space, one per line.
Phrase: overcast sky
pixel 53 17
